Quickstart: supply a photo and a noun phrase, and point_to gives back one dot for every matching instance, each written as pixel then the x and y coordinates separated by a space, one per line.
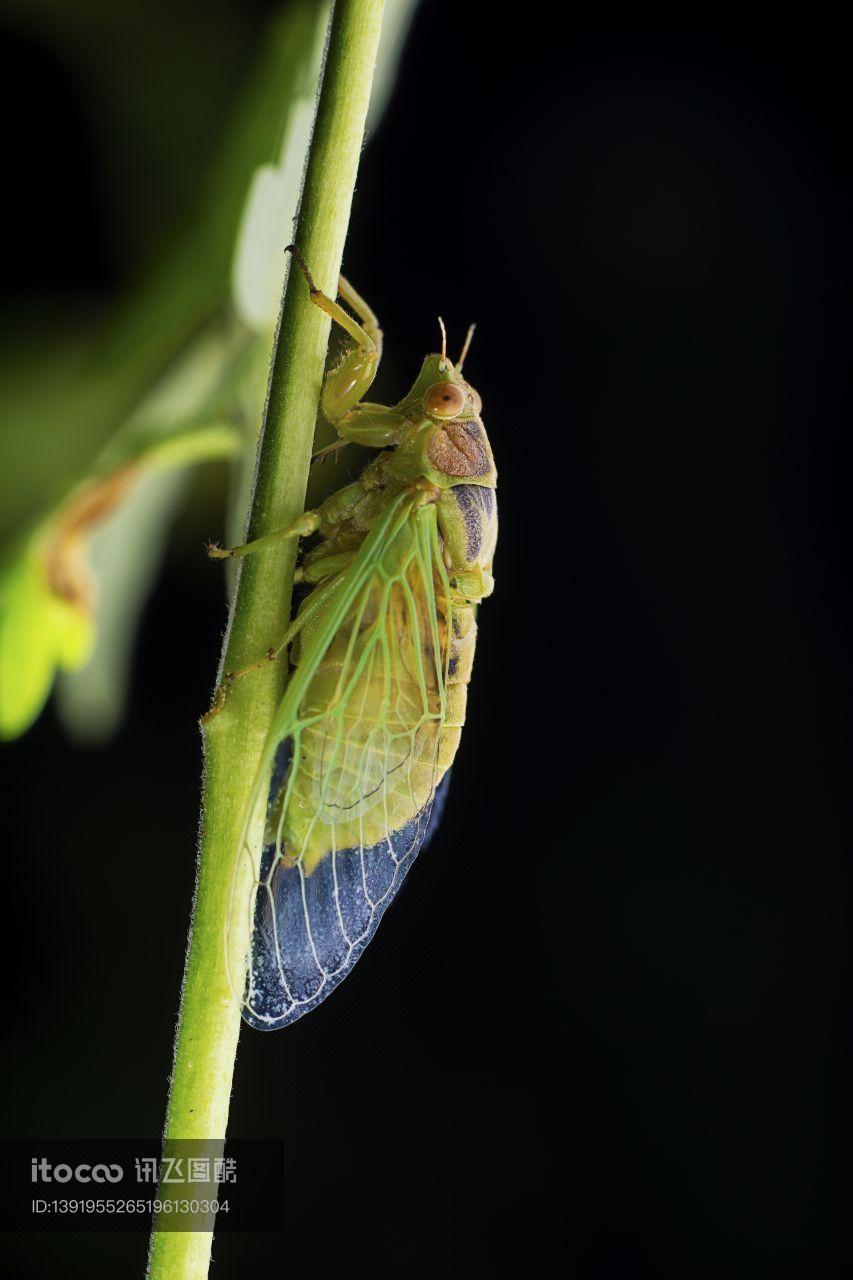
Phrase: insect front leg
pixel 346 384
pixel 372 425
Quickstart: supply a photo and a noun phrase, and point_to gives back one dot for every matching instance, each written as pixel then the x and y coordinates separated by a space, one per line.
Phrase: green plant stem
pixel 209 1021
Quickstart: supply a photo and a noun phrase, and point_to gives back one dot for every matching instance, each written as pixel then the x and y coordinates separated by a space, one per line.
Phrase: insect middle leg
pixel 307 524
pixel 333 512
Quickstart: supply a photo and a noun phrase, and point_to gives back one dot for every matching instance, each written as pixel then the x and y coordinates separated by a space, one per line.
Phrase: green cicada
pixel 381 653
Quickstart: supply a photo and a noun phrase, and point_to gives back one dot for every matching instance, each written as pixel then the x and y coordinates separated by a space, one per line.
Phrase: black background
pixel 607 1024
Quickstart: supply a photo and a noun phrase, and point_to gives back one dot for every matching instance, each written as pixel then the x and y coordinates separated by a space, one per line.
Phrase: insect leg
pixel 368 337
pixel 315 601
pixel 329 451
pixel 319 570
pixel 307 524
pixel 346 384
pixel 371 425
pixel 365 313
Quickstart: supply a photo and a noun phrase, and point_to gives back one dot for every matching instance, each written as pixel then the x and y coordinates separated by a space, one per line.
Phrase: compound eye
pixel 444 400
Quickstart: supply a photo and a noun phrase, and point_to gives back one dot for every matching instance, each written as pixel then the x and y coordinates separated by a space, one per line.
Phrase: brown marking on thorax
pixel 456 449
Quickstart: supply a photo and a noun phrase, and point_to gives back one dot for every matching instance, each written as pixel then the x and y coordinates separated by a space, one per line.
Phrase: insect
pixel 381 653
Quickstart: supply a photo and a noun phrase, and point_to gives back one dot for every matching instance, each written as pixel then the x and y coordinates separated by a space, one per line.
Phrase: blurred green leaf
pixel 257 275
pixel 39 633
pixel 47 604
pixel 125 555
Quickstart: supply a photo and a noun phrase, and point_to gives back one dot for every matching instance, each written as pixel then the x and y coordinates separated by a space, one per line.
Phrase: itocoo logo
pixel 44 1171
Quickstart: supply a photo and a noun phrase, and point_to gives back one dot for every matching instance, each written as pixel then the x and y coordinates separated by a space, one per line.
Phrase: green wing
pixel 363 736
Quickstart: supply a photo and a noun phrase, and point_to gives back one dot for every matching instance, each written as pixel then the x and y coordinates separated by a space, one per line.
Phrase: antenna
pixel 469 335
pixel 443 338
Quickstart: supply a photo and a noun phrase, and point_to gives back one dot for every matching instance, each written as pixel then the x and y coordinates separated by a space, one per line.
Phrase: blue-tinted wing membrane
pixel 309 930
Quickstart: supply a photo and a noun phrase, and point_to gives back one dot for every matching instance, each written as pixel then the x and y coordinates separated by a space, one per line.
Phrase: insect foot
pixel 307 524
pixel 219 698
